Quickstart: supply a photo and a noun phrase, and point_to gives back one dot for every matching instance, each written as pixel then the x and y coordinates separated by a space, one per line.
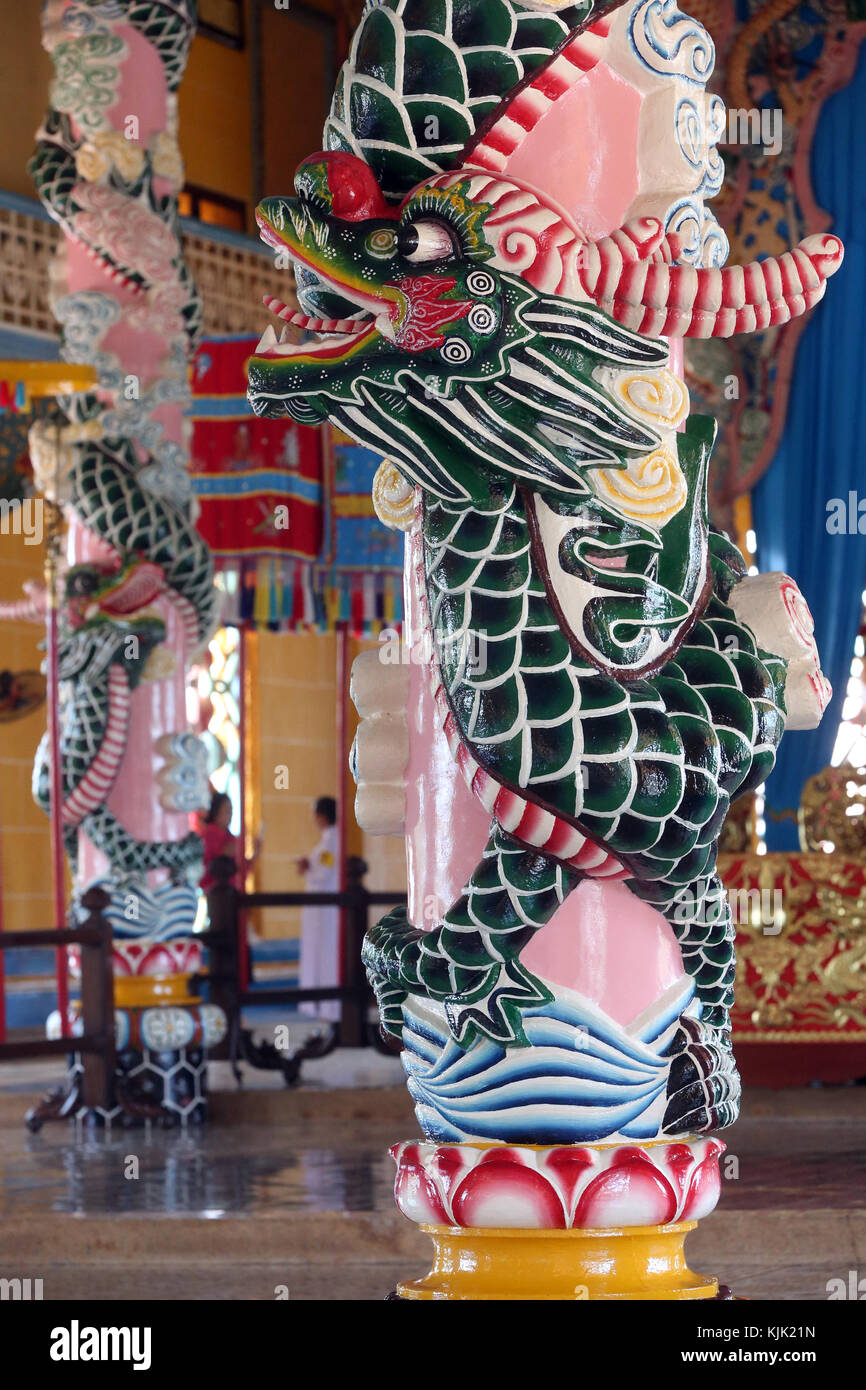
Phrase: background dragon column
pixel 500 250
pixel 138 590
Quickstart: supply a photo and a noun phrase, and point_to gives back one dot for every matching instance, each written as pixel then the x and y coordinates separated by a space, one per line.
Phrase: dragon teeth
pixel 268 339
pixel 277 307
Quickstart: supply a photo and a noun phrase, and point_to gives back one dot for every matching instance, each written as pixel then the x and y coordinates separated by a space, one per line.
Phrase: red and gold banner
pixel 258 482
pixel 287 508
pixel 801 946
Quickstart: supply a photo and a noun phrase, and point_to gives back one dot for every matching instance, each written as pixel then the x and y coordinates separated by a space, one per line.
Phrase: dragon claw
pixel 703 1089
pixel 494 1010
pixel 389 998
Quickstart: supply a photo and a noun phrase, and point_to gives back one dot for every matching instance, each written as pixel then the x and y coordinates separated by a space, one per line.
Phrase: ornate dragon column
pixel 500 248
pixel 138 588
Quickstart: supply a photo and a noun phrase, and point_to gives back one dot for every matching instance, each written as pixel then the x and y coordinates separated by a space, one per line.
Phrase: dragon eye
pixel 425 241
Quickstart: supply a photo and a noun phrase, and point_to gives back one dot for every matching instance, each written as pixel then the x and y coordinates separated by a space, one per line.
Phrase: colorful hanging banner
pixel 287 510
pixel 361 570
pixel 258 482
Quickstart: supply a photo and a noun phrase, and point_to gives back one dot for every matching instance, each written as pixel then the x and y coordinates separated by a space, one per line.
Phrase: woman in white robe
pixel 320 926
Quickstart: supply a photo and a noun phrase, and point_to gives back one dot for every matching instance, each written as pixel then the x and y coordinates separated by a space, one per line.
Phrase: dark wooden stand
pixel 225 940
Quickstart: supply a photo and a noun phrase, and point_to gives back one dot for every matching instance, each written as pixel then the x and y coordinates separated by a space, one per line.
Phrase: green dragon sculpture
pixel 621 704
pixel 123 476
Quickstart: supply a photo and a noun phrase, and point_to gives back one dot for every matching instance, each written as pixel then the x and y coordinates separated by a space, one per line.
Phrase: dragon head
pixel 478 330
pixel 433 353
pixel 108 618
pixel 399 296
pixel 476 338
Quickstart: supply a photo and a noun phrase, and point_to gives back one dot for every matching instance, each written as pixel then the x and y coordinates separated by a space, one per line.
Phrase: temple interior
pixel 306 652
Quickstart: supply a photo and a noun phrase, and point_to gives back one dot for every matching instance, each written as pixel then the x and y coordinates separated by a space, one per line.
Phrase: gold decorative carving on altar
pixel 801 946
pixel 833 810
pixel 738 832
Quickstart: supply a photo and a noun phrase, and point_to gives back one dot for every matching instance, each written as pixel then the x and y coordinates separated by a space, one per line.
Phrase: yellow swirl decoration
pixel 161 664
pixel 656 396
pixel 382 243
pixel 94 159
pixel 651 488
pixel 167 161
pixel 92 163
pixel 393 497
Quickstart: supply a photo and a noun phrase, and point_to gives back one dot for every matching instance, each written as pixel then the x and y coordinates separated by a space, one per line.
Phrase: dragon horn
pixel 680 301
pixel 642 239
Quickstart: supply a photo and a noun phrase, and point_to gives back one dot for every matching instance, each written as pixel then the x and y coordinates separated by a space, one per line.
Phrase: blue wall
pixel 821 455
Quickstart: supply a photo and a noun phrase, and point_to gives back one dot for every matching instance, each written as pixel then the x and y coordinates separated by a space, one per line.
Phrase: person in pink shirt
pixel 213 827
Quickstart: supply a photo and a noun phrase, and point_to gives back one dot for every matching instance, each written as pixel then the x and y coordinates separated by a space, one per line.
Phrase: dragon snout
pixel 328 185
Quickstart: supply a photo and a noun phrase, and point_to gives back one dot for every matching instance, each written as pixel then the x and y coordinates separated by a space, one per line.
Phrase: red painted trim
pixel 58 862
pixel 342 697
pixel 243 958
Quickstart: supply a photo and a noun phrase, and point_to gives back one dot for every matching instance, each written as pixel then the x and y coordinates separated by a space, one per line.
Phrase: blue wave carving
pixel 137 910
pixel 583 1079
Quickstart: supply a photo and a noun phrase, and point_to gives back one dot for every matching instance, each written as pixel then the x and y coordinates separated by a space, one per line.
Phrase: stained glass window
pixel 214 710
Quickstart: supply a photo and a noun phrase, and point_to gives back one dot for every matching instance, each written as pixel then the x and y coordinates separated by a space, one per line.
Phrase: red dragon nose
pixel 355 194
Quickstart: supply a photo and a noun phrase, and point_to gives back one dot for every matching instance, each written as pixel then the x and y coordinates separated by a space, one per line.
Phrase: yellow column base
pixel 637 1262
pixel 146 991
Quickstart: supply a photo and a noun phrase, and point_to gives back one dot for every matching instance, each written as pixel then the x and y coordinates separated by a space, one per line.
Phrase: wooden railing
pixel 96 1042
pixel 225 939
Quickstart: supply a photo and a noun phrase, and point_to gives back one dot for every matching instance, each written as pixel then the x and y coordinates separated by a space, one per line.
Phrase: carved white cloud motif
pixel 380 752
pixel 183 780
pixel 773 607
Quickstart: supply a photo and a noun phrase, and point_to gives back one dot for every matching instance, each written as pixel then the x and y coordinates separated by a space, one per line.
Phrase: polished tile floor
pixel 258 1169
pixel 251 1171
pixel 299 1193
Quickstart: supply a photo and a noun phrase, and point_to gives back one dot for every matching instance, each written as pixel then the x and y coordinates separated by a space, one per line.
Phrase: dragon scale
pixel 690 734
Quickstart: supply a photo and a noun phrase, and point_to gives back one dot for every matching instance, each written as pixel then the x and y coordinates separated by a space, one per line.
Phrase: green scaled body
pixel 423 77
